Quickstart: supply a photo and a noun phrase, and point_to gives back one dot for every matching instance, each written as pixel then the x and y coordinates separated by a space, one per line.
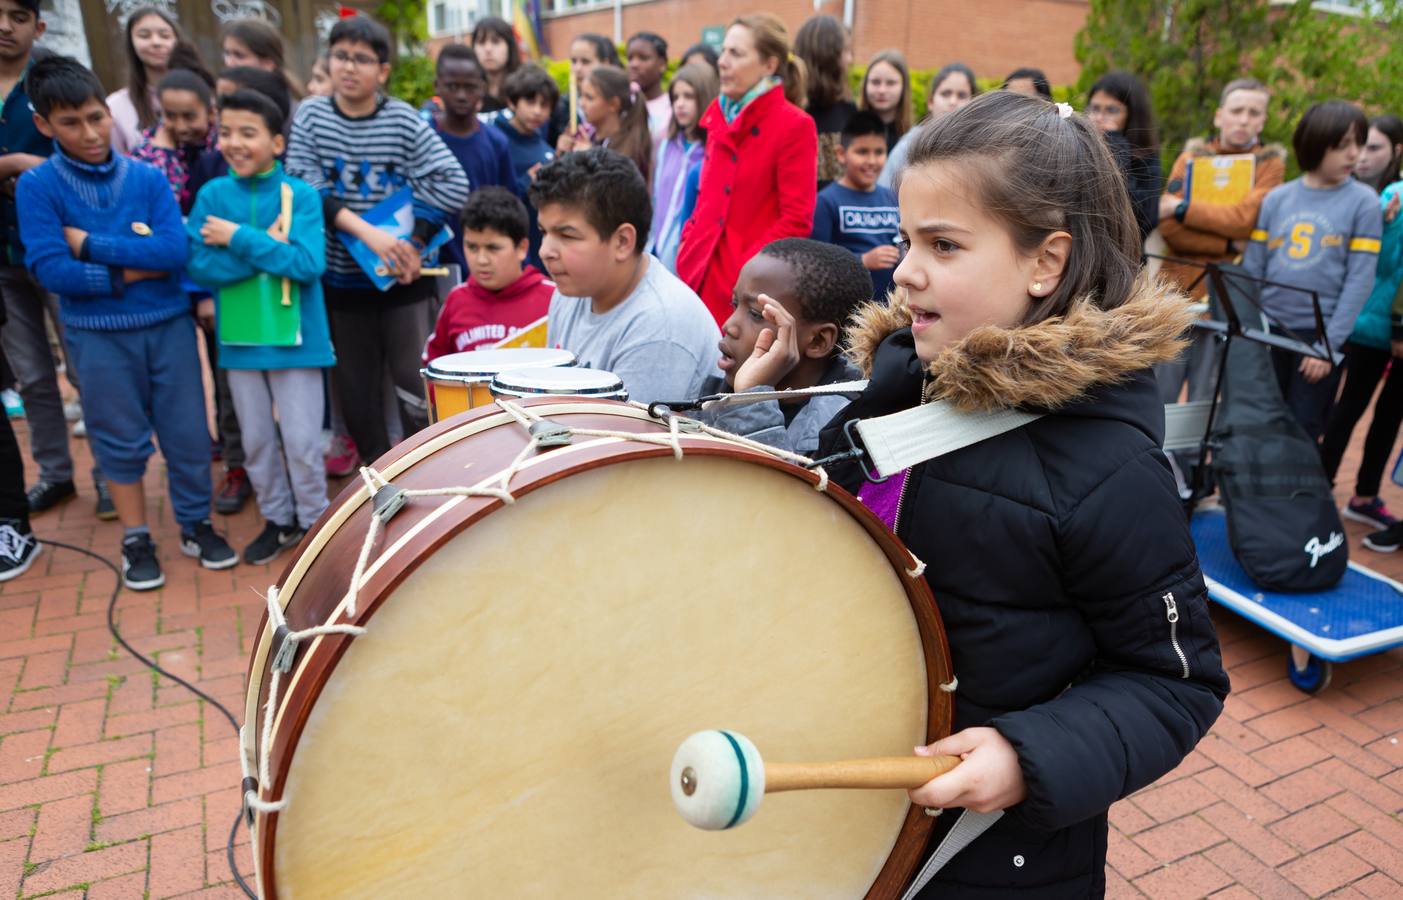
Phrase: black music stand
pixel 1225 302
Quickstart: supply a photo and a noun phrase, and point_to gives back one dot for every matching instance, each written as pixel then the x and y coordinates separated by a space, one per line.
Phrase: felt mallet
pixel 718 777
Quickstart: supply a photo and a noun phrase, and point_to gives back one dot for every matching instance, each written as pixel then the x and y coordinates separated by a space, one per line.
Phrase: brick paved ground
pixel 115 784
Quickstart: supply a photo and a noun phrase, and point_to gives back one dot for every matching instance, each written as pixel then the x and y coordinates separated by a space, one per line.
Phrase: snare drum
pixel 518 384
pixel 459 382
pixel 509 716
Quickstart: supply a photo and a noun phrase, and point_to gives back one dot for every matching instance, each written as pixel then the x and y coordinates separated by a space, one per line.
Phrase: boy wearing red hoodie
pixel 502 295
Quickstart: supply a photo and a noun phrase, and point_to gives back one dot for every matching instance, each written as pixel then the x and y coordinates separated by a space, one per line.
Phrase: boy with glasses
pixel 358 147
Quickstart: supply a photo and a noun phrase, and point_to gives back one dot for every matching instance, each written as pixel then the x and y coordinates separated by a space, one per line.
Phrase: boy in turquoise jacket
pixel 235 235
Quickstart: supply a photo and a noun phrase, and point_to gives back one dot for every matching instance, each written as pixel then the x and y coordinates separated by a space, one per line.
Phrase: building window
pixel 450 17
pixel 565 7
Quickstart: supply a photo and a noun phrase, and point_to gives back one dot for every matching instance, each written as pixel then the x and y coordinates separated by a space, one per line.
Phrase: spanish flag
pixel 526 22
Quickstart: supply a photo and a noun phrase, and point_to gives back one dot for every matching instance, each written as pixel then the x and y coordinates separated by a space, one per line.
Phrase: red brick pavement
pixel 117 784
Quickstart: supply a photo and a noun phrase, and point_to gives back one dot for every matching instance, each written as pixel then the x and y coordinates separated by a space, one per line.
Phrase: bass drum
pixel 505 724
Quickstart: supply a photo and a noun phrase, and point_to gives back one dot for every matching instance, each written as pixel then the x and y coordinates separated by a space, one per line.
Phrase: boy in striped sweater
pixel 355 148
pixel 103 232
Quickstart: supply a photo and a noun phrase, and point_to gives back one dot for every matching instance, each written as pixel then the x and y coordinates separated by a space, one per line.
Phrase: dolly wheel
pixel 1308 672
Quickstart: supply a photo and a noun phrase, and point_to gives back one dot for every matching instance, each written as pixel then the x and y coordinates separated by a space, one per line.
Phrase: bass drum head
pixel 506 725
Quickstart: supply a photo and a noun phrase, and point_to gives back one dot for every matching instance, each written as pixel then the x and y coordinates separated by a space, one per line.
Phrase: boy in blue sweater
pixel 531 95
pixel 235 234
pixel 1317 233
pixel 104 233
pixel 480 149
pixel 857 213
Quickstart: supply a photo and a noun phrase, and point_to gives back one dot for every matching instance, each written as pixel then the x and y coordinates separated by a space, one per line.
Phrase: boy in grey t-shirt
pixel 615 307
pixel 1318 233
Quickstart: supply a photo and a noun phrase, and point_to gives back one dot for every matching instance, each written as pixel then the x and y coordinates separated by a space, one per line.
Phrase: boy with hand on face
pixel 857 213
pixel 616 307
pixel 104 233
pixel 503 294
pixel 1205 232
pixel 356 148
pixel 481 150
pixel 790 306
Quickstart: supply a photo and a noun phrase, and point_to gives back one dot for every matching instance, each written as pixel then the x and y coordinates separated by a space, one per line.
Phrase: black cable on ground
pixel 151 664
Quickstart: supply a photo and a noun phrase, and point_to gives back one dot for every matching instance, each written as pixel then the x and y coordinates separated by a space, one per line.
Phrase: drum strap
pixel 900 440
pixel 967 827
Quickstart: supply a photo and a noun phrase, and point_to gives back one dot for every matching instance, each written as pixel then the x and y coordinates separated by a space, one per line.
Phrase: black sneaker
pixel 271 541
pixel 106 510
pixel 209 548
pixel 48 494
pixel 233 493
pixel 1372 512
pixel 141 571
pixel 1386 541
pixel 18 548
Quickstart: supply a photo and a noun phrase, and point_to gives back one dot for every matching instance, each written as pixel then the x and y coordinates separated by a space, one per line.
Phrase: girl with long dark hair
pixel 1119 106
pixel 151 36
pixel 494 42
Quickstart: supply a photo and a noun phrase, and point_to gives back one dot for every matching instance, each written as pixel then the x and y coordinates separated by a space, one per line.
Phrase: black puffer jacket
pixel 1064 571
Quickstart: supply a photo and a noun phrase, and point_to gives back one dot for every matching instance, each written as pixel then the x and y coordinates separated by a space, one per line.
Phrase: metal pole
pixel 848 13
pixel 618 21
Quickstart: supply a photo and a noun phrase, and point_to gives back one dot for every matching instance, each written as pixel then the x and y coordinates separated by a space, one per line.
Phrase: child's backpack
pixel 1283 526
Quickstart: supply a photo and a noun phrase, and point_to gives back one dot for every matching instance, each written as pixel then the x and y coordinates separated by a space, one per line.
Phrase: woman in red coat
pixel 759 174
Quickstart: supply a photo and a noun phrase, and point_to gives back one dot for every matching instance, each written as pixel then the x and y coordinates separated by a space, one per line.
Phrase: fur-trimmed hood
pixel 1043 366
pixel 1196 147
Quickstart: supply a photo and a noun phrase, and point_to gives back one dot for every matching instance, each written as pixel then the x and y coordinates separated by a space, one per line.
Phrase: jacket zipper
pixel 1171 610
pixel 906 477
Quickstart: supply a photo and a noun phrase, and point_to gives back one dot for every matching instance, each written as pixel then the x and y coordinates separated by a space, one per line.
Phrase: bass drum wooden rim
pixel 317 660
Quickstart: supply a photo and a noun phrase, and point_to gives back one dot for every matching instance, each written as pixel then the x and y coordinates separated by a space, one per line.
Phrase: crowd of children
pixel 712 232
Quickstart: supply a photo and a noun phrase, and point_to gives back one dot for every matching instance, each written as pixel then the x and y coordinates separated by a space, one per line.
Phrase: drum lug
pixel 249 789
pixel 545 433
pixel 284 651
pixel 387 501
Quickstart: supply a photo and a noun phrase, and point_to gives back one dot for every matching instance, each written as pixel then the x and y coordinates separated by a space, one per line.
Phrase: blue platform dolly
pixel 1362 614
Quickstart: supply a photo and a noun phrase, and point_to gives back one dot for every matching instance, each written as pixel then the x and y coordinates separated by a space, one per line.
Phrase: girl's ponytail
pixel 634 140
pixel 795 75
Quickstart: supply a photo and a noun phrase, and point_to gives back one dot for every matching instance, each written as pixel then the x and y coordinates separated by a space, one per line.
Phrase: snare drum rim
pixel 502 385
pixel 317 661
pixel 603 392
pixel 474 376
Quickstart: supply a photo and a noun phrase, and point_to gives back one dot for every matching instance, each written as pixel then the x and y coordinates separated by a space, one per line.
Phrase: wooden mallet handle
pixel 905 772
pixel 718 778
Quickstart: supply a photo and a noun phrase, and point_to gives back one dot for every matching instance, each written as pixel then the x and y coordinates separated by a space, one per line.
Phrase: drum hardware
pixel 388 500
pixel 855 452
pixel 284 651
pixel 546 433
pixel 248 788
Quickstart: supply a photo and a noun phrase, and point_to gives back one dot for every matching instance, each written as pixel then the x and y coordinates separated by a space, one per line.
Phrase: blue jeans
pixel 142 380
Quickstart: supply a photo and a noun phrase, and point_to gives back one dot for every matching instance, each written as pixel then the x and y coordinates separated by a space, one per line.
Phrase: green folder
pixel 252 313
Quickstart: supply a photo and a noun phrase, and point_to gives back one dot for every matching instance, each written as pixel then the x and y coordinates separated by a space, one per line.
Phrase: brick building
pixel 993 36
